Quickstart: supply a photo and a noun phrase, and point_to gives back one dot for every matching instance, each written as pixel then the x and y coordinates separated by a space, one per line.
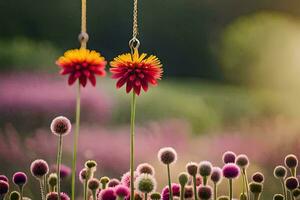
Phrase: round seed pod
pixel 145 168
pixel 3 178
pixel 278 197
pixel 83 175
pixel 291 183
pixel 258 177
pixel 291 161
pixel 230 171
pixel 188 192
pixel 204 192
pixel 229 157
pixel 296 193
pixel 242 161
pixel 93 184
pixel 60 126
pixel 52 179
pixel 155 196
pixel 167 155
pixel 14 195
pixel 113 182
pixel 20 179
pixel 192 168
pixel 280 172
pixel 205 168
pixel 145 183
pixel 183 178
pixel 216 175
pixel 39 168
pixel 255 188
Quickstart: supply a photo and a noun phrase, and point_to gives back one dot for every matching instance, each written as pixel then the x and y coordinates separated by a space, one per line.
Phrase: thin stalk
pixel 21 192
pixel 215 191
pixel 291 195
pixel 85 190
pixel 132 129
pixel 195 187
pixel 58 162
pixel 181 192
pixel 246 182
pixel 42 189
pixel 293 171
pixel 204 180
pixel 169 181
pixel 284 189
pixel 76 134
pixel 230 189
pixel 94 195
pixel 146 196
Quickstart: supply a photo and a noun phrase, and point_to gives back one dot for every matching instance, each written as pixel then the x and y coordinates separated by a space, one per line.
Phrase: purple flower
pixel 20 179
pixel 108 194
pixel 125 179
pixel 258 177
pixel 291 183
pixel 204 192
pixel 60 126
pixel 122 191
pixel 65 171
pixel 167 155
pixel 54 196
pixel 192 168
pixel 39 168
pixel 216 175
pixel 3 178
pixel 242 161
pixel 82 175
pixel 175 189
pixel 291 161
pixel 205 168
pixel 229 157
pixel 113 182
pixel 145 168
pixel 4 187
pixel 231 171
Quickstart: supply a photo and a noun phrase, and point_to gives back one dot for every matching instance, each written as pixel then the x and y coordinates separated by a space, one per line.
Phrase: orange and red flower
pixel 82 64
pixel 137 71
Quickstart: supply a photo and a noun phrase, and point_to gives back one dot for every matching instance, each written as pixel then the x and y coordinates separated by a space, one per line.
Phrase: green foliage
pixel 23 54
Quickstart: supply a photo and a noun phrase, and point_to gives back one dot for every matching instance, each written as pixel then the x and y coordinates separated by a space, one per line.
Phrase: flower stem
pixel 58 162
pixel 283 188
pixel 132 129
pixel 181 192
pixel 76 134
pixel 195 187
pixel 21 192
pixel 42 189
pixel 94 195
pixel 169 181
pixel 146 196
pixel 230 189
pixel 215 191
pixel 244 172
pixel 85 191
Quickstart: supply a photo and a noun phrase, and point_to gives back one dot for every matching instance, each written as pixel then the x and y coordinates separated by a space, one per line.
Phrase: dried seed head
pixel 93 184
pixel 291 183
pixel 60 126
pixel 216 175
pixel 204 192
pixel 145 183
pixel 167 155
pixel 205 168
pixel 291 161
pixel 20 179
pixel 113 182
pixel 39 168
pixel 258 177
pixel 242 161
pixel 52 179
pixel 280 172
pixel 183 178
pixel 83 175
pixel 14 195
pixel 255 188
pixel 192 168
pixel 145 168
pixel 188 192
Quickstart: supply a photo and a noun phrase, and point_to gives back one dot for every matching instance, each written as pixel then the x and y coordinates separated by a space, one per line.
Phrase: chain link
pixel 134 43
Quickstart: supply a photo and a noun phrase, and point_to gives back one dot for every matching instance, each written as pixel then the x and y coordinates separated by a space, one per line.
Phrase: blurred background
pixel 231 82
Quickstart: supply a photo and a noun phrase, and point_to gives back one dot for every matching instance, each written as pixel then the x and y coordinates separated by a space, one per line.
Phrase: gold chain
pixel 134 43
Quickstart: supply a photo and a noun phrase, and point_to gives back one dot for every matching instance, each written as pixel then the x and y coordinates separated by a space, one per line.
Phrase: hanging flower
pixel 82 64
pixel 137 71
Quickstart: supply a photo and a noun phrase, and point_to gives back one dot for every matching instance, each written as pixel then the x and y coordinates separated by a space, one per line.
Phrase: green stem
pixel 293 171
pixel 204 180
pixel 21 192
pixel 94 194
pixel 58 162
pixel 181 192
pixel 215 191
pixel 132 129
pixel 42 189
pixel 76 134
pixel 146 196
pixel 283 188
pixel 195 187
pixel 246 183
pixel 230 189
pixel 85 190
pixel 291 195
pixel 169 181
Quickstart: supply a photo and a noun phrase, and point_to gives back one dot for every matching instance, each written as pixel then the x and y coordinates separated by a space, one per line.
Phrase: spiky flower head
pixel 82 64
pixel 278 197
pixel 14 195
pixel 291 161
pixel 4 187
pixel 108 194
pixel 167 155
pixel 188 192
pixel 216 175
pixel 145 168
pixel 3 178
pixel 242 161
pixel 155 196
pixel 122 191
pixel 83 175
pixel 175 190
pixel 39 168
pixel 136 71
pixel 255 187
pixel 204 192
pixel 280 172
pixel 93 184
pixel 113 182
pixel 125 179
pixel 145 183
pixel 54 196
pixel 291 183
pixel 183 178
pixel 52 179
pixel 192 168
pixel 229 157
pixel 20 179
pixel 205 168
pixel 258 177
pixel 60 126
pixel 65 171
pixel 231 171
